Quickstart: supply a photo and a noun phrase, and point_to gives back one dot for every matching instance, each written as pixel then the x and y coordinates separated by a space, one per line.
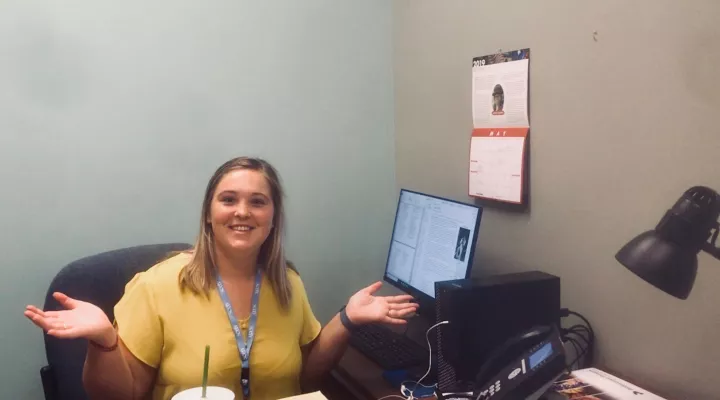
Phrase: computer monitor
pixel 433 240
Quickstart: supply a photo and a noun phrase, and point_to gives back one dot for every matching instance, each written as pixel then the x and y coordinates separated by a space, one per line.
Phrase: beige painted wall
pixel 620 127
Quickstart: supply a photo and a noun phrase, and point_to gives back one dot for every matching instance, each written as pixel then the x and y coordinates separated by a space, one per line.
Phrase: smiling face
pixel 241 212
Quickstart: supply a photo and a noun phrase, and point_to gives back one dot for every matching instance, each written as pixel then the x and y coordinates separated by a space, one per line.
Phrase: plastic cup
pixel 213 393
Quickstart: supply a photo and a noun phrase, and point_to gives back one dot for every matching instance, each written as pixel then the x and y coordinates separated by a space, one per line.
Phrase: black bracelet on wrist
pixel 349 325
pixel 105 348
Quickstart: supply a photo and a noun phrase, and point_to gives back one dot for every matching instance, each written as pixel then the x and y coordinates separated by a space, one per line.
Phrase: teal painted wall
pixel 113 115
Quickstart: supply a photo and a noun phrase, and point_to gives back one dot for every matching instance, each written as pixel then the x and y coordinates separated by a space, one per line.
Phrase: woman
pixel 234 291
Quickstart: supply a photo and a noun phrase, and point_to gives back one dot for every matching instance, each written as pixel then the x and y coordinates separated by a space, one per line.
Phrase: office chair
pixel 100 280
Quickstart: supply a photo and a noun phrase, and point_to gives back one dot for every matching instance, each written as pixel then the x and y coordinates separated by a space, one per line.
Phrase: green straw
pixel 205 371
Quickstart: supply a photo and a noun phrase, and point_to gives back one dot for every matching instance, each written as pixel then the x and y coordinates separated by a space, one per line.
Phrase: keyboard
pixel 390 350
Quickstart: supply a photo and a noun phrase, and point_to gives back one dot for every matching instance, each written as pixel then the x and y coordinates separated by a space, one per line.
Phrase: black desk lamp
pixel 667 256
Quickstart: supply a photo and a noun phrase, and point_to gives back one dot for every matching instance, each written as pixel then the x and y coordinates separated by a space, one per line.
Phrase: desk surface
pixel 362 377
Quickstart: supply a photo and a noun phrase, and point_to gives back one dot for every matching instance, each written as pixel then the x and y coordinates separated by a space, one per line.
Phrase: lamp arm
pixel 710 247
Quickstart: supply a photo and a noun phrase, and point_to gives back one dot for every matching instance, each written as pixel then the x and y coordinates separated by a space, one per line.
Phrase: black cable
pixel 577 347
pixel 587 323
pixel 579 330
pixel 580 327
pixel 584 334
pixel 577 359
pixel 579 335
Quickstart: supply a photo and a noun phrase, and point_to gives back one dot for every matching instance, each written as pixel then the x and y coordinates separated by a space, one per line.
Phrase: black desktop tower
pixel 483 314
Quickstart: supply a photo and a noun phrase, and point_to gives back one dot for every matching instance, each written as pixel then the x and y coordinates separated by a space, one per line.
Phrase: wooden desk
pixel 356 377
pixel 360 377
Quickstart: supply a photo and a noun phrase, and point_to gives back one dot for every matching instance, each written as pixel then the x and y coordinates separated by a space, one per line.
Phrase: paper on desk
pixel 500 126
pixel 307 396
pixel 592 383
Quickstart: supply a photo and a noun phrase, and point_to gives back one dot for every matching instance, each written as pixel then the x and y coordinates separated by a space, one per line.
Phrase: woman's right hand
pixel 79 320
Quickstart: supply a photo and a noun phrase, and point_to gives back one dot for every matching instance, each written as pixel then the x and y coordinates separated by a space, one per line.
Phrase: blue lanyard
pixel 243 348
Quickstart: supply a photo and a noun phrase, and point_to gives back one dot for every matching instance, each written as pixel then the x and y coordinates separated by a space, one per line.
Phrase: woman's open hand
pixel 363 307
pixel 79 320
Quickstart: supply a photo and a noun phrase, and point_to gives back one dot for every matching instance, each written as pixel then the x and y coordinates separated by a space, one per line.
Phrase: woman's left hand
pixel 364 308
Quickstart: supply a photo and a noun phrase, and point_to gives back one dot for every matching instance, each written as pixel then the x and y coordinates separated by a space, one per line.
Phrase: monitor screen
pixel 433 240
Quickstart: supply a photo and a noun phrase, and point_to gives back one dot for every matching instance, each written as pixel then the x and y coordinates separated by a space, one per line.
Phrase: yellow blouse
pixel 168 329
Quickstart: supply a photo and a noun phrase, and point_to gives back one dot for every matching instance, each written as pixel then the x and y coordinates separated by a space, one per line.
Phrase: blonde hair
pixel 199 274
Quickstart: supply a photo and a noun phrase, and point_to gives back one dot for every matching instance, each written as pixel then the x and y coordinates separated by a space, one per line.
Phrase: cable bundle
pixel 582 338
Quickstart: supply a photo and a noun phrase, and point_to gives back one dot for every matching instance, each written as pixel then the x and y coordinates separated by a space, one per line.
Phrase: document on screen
pixel 442 253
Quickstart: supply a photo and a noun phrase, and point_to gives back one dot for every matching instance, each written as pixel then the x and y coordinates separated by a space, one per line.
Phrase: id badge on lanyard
pixel 243 347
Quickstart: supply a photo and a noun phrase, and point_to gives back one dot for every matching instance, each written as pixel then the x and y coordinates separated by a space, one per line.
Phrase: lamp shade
pixel 662 263
pixel 666 257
